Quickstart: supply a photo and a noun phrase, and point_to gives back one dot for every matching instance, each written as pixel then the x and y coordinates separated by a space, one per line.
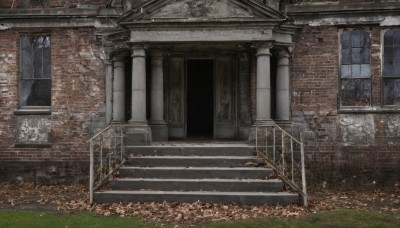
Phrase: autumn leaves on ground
pixel 74 198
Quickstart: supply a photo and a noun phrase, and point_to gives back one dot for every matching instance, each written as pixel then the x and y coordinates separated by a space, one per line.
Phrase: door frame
pixel 234 90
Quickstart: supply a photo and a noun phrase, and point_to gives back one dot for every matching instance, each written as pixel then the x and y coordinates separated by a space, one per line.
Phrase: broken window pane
pixel 35 86
pixel 355 92
pixel 391 91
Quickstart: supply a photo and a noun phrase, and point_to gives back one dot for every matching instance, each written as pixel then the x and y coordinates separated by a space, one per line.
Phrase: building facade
pixel 327 71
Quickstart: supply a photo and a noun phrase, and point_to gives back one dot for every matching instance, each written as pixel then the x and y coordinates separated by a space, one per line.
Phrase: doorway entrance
pixel 200 98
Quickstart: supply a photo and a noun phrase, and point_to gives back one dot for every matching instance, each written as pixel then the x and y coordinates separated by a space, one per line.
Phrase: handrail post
pixel 283 153
pixel 91 173
pixel 303 174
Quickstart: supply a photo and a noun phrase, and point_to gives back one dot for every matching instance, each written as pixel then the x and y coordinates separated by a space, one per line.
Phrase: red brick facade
pixel 77 98
pixel 340 144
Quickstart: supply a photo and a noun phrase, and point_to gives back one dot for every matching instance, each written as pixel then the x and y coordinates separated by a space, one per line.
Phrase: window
pixel 355 72
pixel 35 79
pixel 391 68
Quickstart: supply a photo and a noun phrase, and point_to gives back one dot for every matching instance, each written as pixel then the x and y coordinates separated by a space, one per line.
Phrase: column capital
pixel 118 58
pixel 263 48
pixel 282 53
pixel 285 51
pixel 262 45
pixel 138 51
pixel 108 62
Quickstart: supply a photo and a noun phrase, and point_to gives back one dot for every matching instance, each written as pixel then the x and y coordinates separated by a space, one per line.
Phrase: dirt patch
pixel 70 199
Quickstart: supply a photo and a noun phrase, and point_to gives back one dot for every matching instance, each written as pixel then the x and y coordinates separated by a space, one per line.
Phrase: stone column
pixel 139 132
pixel 138 86
pixel 109 91
pixel 119 90
pixel 263 93
pixel 158 125
pixel 282 86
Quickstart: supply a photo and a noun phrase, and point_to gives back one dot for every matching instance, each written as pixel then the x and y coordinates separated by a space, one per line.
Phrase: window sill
pixel 369 110
pixel 32 145
pixel 33 112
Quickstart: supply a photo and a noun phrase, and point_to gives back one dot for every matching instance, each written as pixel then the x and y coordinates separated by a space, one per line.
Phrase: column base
pixel 117 122
pixel 258 126
pixel 159 131
pixel 138 134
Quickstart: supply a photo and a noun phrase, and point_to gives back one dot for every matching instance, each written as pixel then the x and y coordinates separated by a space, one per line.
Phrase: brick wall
pixel 340 146
pixel 77 108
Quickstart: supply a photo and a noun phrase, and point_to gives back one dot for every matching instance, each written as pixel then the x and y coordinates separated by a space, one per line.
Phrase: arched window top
pixel 392 37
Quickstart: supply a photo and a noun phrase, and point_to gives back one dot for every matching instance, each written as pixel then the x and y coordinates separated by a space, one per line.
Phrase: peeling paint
pixel 357 129
pixel 33 130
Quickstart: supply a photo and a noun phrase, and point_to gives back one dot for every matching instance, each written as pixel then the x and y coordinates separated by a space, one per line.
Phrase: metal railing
pixel 107 154
pixel 283 153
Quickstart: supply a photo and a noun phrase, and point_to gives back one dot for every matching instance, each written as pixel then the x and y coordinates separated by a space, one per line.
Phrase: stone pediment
pixel 200 10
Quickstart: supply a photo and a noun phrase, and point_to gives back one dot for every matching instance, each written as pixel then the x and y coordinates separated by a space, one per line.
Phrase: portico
pixel 165 51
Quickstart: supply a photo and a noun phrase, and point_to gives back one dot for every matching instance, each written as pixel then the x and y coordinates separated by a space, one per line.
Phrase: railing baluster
pixel 101 156
pixel 274 147
pixel 303 174
pixel 122 142
pixel 91 172
pixel 266 141
pixel 283 153
pixel 279 162
pixel 109 139
pixel 291 151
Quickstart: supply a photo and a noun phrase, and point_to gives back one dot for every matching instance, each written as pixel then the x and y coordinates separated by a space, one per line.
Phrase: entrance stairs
pixel 224 172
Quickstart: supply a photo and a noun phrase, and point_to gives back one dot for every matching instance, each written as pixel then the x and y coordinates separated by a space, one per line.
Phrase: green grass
pixel 334 219
pixel 47 219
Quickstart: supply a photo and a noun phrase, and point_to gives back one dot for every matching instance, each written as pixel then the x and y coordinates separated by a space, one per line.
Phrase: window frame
pixel 33 109
pixel 383 77
pixel 340 78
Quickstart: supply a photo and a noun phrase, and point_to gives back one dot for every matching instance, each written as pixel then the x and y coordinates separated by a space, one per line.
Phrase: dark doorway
pixel 200 94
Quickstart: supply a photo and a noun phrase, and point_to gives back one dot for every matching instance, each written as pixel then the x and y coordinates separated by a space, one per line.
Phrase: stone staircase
pixel 188 172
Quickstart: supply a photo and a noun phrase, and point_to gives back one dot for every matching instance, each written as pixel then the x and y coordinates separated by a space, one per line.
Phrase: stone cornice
pixel 58 13
pixel 330 9
pixel 384 14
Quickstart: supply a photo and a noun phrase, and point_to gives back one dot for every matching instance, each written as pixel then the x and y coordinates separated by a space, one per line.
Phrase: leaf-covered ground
pixel 74 198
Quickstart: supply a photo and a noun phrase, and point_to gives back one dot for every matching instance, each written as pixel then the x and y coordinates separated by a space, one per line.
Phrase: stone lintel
pixel 201 35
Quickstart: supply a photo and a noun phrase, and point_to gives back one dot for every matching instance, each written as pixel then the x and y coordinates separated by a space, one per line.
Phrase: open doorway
pixel 200 98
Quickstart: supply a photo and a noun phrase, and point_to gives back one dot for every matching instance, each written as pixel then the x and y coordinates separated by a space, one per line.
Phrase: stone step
pixel 239 149
pixel 244 198
pixel 195 172
pixel 195 161
pixel 223 185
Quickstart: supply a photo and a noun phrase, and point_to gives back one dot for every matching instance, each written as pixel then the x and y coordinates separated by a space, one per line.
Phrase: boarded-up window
pixel 355 71
pixel 391 68
pixel 35 80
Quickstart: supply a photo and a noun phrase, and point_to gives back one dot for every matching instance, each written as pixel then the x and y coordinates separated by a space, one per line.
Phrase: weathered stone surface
pixel 357 129
pixel 33 130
